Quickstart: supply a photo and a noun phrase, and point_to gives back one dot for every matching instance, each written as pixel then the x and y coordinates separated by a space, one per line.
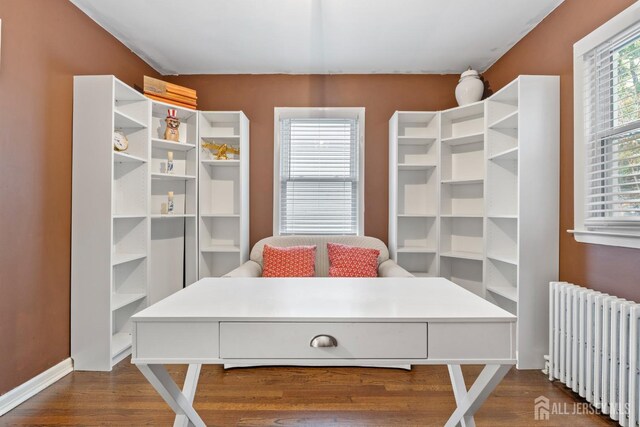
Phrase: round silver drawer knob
pixel 323 341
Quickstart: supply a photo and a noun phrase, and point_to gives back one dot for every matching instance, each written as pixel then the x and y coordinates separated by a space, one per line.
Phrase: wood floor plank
pixel 294 396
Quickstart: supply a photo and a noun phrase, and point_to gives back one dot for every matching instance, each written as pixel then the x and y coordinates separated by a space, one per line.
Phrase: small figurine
pixel 171 133
pixel 223 149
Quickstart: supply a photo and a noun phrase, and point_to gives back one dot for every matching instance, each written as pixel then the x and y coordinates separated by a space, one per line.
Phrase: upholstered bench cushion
pixel 322 258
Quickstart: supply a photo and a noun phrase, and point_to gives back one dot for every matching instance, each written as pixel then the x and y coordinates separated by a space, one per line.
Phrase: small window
pixel 608 132
pixel 318 169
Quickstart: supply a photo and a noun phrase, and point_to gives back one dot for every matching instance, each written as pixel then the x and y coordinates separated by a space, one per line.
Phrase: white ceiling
pixel 318 36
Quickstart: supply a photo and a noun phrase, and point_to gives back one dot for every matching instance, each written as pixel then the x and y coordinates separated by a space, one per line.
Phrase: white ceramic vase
pixel 470 88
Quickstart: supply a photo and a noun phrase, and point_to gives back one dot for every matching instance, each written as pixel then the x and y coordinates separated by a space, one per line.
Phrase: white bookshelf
pixel 110 226
pixel 414 172
pixel 496 205
pixel 174 237
pixel 223 193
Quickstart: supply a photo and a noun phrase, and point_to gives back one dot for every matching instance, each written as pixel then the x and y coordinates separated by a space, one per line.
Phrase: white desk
pixel 327 322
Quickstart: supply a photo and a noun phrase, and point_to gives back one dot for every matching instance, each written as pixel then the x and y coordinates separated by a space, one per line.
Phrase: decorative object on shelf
pixel 470 88
pixel 120 141
pixel 169 161
pixel 170 93
pixel 223 150
pixel 171 133
pixel 164 209
pixel 170 202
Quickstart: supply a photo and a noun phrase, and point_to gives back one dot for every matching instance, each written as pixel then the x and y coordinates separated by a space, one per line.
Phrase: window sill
pixel 607 238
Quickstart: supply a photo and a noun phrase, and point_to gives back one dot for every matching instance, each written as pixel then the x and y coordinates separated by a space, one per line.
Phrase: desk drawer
pixel 279 340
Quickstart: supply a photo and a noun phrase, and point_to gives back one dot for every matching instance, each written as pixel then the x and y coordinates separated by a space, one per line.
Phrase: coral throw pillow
pixel 351 261
pixel 294 261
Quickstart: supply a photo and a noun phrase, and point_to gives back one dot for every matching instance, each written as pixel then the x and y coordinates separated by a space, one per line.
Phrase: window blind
pixel 612 130
pixel 319 176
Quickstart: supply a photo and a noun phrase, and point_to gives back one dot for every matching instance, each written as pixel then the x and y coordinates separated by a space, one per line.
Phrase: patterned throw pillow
pixel 352 261
pixel 294 261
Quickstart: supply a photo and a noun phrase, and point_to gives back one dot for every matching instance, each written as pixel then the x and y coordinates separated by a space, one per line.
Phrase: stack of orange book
pixel 170 93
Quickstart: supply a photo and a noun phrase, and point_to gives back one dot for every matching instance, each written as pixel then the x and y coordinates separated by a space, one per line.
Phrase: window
pixel 318 172
pixel 607 133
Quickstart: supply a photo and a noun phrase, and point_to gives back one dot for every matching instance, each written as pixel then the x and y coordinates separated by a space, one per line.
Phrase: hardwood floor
pixel 294 397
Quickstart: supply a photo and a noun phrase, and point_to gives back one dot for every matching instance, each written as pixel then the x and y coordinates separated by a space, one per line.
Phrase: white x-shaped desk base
pixel 181 402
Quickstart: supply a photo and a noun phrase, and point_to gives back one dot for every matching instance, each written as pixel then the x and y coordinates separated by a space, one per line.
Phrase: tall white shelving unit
pixel 224 193
pixel 127 253
pixel 110 224
pixel 414 172
pixel 496 203
pixel 174 237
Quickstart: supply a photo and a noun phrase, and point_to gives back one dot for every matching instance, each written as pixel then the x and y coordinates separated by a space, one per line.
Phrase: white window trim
pixel 316 112
pixel 617 237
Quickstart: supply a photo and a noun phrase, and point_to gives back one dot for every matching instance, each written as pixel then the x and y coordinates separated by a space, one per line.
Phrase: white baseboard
pixel 35 385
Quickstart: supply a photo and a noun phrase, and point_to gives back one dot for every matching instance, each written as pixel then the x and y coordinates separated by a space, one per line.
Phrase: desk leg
pixel 181 404
pixel 189 390
pixel 469 402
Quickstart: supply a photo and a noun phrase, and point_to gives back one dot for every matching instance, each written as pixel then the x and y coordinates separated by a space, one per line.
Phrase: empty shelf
pixel 121 300
pixel 171 177
pixel 464 139
pixel 124 121
pixel 507 260
pixel 510 121
pixel 165 144
pixel 220 248
pixel 508 292
pixel 510 154
pixel 122 258
pixel 120 157
pixel 462 255
pixel 416 249
pixel 228 162
pixel 414 166
pixel 119 343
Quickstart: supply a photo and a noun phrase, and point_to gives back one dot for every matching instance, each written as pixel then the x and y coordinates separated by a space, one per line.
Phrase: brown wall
pixel 548 49
pixel 44 43
pixel 381 95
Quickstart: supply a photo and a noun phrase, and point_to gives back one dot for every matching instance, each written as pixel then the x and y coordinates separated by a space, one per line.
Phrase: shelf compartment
pixel 187 130
pixel 120 342
pixel 421 264
pixel 120 300
pixel 510 121
pixel 130 188
pixel 121 157
pixel 220 190
pixel 125 121
pixel 129 239
pixel 462 237
pixel 414 166
pixel 502 279
pixel 475 256
pixel 219 232
pixel 171 177
pixel 417 234
pixel 472 138
pixel 417 127
pixel 508 154
pixel 417 192
pixel 462 163
pixel 415 250
pixel 502 240
pixel 501 141
pixel 185 163
pixel 165 144
pixel 417 154
pixel 184 197
pixel 465 272
pixel 216 264
pixel 461 124
pixel 121 258
pixel 502 187
pixel 460 200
